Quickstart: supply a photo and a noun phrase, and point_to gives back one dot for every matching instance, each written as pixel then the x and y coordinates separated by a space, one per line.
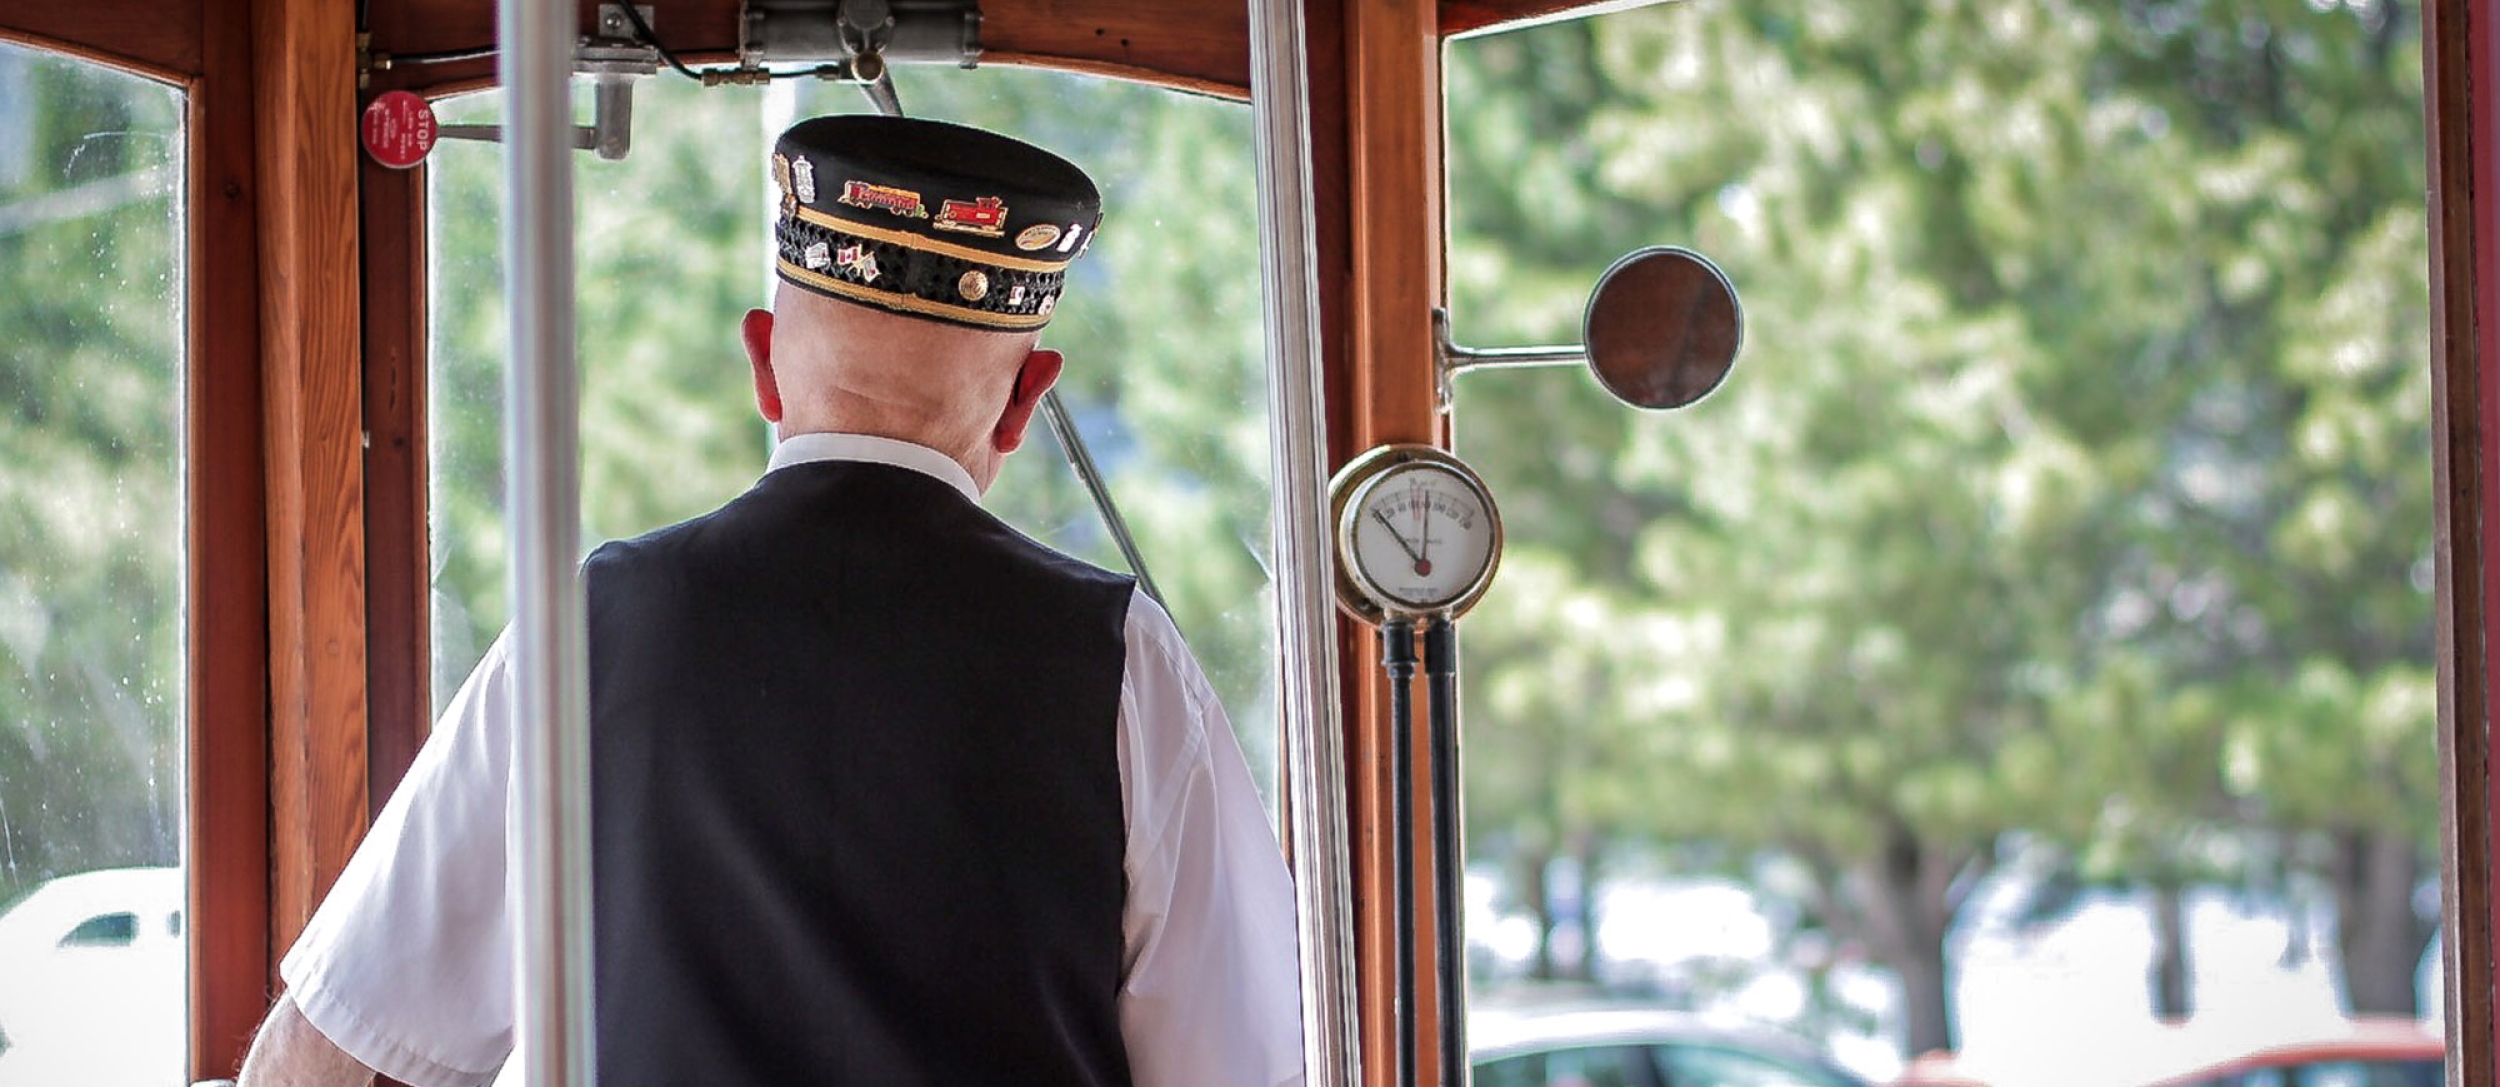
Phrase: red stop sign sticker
pixel 399 129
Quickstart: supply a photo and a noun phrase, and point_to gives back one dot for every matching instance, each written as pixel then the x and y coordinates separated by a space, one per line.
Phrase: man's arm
pixel 289 1052
pixel 1211 996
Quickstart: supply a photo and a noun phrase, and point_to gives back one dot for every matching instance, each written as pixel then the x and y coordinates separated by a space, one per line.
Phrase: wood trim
pixel 1496 16
pixel 2465 409
pixel 306 129
pixel 1382 390
pixel 226 648
pixel 1193 45
pixel 145 39
pixel 398 599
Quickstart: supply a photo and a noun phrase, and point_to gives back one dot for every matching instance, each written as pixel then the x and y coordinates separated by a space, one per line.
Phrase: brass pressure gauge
pixel 1417 534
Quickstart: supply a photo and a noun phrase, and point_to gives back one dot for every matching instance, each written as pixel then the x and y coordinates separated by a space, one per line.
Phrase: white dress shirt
pixel 407 965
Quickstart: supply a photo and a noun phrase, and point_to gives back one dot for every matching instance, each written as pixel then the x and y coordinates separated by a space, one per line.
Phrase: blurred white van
pixel 92 982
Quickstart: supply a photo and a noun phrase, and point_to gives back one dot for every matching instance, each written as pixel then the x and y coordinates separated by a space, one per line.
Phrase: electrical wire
pixel 633 14
pixel 395 60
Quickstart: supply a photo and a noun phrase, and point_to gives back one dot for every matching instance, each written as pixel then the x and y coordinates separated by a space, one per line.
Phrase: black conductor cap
pixel 930 218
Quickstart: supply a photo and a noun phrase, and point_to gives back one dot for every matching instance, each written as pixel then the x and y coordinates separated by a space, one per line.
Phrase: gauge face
pixel 1420 537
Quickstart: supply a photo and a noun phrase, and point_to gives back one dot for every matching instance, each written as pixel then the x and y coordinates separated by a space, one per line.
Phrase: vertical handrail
pixel 1306 626
pixel 542 442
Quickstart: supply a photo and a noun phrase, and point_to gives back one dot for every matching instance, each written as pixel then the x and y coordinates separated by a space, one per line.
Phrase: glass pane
pixel 1162 337
pixel 92 962
pixel 2030 645
pixel 1711 1066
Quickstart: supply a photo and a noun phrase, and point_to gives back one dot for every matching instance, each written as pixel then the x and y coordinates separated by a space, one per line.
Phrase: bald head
pixel 827 365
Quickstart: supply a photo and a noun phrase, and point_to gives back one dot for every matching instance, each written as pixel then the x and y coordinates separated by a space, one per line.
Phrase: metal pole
pixel 1306 624
pixel 551 749
pixel 1397 658
pixel 1072 445
pixel 1449 855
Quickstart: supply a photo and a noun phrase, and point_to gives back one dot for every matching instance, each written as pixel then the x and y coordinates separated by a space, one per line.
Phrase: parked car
pixel 92 970
pixel 2365 1051
pixel 1630 1046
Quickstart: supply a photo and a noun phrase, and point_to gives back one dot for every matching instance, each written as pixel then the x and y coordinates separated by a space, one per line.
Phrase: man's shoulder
pixel 1051 563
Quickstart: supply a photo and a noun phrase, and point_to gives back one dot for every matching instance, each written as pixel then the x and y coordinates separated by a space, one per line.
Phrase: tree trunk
pixel 2379 936
pixel 2171 999
pixel 1925 1000
pixel 1901 905
pixel 1585 848
pixel 1533 868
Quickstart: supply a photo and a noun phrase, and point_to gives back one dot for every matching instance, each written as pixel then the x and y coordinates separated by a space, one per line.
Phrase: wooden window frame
pixel 226 839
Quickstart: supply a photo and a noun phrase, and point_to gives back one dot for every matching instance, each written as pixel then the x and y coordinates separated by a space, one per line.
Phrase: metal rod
pixel 1449 854
pixel 1397 658
pixel 584 137
pixel 1305 578
pixel 881 94
pixel 1514 358
pixel 551 752
pixel 1451 359
pixel 1071 443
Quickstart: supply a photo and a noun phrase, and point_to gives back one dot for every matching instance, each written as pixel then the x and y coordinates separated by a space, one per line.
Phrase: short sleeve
pixel 1212 991
pixel 407 964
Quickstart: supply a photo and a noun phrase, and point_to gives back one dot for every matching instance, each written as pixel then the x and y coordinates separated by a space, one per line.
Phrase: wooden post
pixel 2458 56
pixel 399 646
pixel 1383 391
pixel 225 637
pixel 305 121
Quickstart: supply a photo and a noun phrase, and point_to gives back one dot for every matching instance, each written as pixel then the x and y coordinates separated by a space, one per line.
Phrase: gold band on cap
pixel 927 244
pixel 911 303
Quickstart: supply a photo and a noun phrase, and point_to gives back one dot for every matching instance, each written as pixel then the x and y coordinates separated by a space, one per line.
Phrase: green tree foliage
pixel 2074 482
pixel 91 354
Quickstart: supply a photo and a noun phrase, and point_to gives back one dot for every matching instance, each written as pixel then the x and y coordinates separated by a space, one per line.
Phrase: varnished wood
pixel 398 619
pixel 1484 16
pixel 2465 409
pixel 159 41
pixel 306 117
pixel 1391 204
pixel 225 635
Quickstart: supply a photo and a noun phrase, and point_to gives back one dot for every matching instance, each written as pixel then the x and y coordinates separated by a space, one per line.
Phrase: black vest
pixel 856 793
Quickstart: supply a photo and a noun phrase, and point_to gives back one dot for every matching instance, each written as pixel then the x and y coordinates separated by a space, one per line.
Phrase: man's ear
pixel 1033 378
pixel 756 331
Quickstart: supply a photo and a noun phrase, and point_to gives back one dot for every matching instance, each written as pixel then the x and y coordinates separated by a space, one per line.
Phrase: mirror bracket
pixel 1452 358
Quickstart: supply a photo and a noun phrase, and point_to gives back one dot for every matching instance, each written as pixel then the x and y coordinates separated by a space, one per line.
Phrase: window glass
pixel 1711 1066
pixel 1521 1071
pixel 91 677
pixel 1161 333
pixel 1576 1066
pixel 108 930
pixel 1591 1066
pixel 2031 643
pixel 2414 1073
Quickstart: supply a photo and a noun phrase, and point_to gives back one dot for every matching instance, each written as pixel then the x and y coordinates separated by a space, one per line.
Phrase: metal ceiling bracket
pixel 860 37
pixel 613 59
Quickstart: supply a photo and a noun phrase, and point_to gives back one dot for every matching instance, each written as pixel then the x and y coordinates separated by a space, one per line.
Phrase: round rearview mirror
pixel 1663 328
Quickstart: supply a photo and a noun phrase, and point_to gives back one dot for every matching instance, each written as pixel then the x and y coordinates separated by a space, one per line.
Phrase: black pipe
pixel 1397 657
pixel 1449 883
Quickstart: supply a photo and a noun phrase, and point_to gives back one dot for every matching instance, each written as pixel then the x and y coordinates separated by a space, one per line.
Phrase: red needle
pixel 1423 562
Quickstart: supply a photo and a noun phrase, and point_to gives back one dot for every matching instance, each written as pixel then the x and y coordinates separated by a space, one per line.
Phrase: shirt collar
pixel 819 446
